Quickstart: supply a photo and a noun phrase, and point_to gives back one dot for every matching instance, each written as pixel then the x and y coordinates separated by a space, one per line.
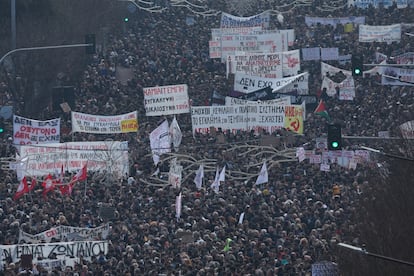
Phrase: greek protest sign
pixel 88 123
pixel 166 100
pixel 232 21
pixel 397 76
pixel 98 155
pixel 346 88
pixel 247 83
pixel 290 62
pixel 332 70
pixel 247 117
pixel 387 33
pixel 237 101
pixel 265 65
pixel 66 233
pixel 28 131
pixel 46 251
pixel 216 33
pixel 309 20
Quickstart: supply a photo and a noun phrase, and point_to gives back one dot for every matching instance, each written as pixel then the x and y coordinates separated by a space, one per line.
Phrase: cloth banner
pixel 98 124
pixel 290 62
pixel 397 76
pixel 160 141
pixel 279 101
pixel 166 100
pixel 329 53
pixel 311 53
pixel 66 233
pixel 29 131
pixel 345 90
pixel 407 130
pixel 232 21
pixel 309 20
pixel 332 70
pixel 387 33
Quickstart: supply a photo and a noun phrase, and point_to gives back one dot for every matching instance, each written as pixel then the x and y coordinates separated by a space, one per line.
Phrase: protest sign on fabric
pixel 278 101
pixel 166 100
pixel 309 20
pixel 216 33
pixel 160 141
pixel 98 124
pixel 176 134
pixel 28 131
pixel 232 21
pixel 383 33
pixel 265 65
pixel 290 62
pixel 99 155
pixel 332 70
pixel 345 90
pixel 397 76
pixel 407 130
pixel 311 53
pixel 263 176
pixel 260 117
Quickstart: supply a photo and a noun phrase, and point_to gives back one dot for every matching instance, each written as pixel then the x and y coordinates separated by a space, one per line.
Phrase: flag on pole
pixel 175 134
pixel 48 184
pixel 81 174
pixel 227 247
pixel 21 189
pixel 321 110
pixel 198 179
pixel 32 184
pixel 178 206
pixel 160 141
pixel 216 183
pixel 222 177
pixel 263 176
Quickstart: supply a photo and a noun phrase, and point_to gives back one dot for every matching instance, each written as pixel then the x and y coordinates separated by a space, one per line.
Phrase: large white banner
pixel 216 33
pixel 332 70
pixel 247 117
pixel 344 89
pixel 265 65
pixel 397 76
pixel 123 123
pixel 51 251
pixel 247 83
pixel 232 21
pixel 66 233
pixel 309 20
pixel 28 131
pixel 407 130
pixel 388 33
pixel 252 43
pixel 279 101
pixel 160 141
pixel 111 156
pixel 166 100
pixel 290 63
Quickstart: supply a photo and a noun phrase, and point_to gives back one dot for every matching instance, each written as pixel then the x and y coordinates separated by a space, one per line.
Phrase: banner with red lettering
pixel 166 100
pixel 29 131
pixel 98 124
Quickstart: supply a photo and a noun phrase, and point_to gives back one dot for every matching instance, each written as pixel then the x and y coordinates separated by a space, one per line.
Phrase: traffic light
pixel 90 39
pixel 334 137
pixel 126 19
pixel 357 64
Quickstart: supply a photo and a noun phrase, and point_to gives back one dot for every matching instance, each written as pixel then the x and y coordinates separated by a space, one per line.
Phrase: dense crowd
pixel 289 223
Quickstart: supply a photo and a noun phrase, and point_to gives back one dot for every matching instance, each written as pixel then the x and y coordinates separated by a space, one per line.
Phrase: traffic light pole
pixel 44 48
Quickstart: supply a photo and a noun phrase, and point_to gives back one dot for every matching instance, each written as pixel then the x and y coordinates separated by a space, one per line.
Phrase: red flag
pixel 48 184
pixel 67 189
pixel 22 189
pixel 81 175
pixel 33 185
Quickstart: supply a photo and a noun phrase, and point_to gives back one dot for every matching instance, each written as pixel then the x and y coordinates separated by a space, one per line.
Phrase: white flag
pixel 160 141
pixel 241 218
pixel 222 177
pixel 263 176
pixel 216 183
pixel 175 134
pixel 178 206
pixel 198 179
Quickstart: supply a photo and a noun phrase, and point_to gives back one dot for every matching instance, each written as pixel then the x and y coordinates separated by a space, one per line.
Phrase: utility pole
pixel 13 23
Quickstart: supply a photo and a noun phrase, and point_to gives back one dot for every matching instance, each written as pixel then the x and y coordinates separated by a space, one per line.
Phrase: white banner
pixel 329 53
pixel 406 58
pixel 111 156
pixel 290 62
pixel 279 101
pixel 265 65
pixel 98 124
pixel 28 131
pixel 160 141
pixel 309 20
pixel 216 33
pixel 247 117
pixel 232 21
pixel 388 33
pixel 166 100
pixel 407 130
pixel 345 90
pixel 46 251
pixel 397 76
pixel 66 233
pixel 247 83
pixel 311 53
pixel 332 70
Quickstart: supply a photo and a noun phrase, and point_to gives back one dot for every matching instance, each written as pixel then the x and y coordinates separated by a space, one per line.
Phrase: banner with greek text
pixel 265 65
pixel 279 101
pixel 49 251
pixel 216 33
pixel 98 124
pixel 397 76
pixel 290 63
pixel 309 20
pixel 28 131
pixel 407 130
pixel 40 160
pixel 246 83
pixel 345 90
pixel 66 233
pixel 232 21
pixel 247 117
pixel 405 58
pixel 332 70
pixel 387 33
pixel 166 100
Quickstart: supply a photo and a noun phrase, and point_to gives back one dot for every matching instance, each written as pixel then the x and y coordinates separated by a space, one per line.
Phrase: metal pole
pixel 13 23
pixel 43 48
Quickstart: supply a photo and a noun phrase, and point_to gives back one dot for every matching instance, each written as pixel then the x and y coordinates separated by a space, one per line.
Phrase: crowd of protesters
pixel 289 223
